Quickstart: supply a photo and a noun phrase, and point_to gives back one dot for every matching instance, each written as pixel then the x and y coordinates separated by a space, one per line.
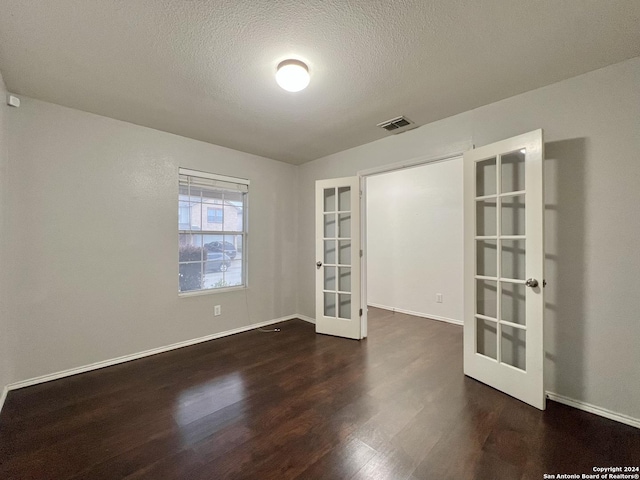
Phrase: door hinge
pixel 360 312
pixel 360 252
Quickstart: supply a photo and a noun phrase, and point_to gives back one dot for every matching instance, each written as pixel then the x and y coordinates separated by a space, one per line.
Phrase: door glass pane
pixel 344 199
pixel 512 213
pixel 486 298
pixel 513 348
pixel 486 223
pixel 329 252
pixel 513 306
pixel 486 177
pixel 344 225
pixel 345 279
pixel 512 174
pixel 345 305
pixel 513 259
pixel 330 278
pixel 487 258
pixel 329 304
pixel 486 338
pixel 329 199
pixel 344 255
pixel 330 225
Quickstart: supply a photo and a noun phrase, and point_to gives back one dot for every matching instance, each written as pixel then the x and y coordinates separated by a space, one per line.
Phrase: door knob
pixel 531 282
pixel 318 264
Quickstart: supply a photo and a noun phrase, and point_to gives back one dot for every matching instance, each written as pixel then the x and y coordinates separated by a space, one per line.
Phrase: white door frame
pixel 455 152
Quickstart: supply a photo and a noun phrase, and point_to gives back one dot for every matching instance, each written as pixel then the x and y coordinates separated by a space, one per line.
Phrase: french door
pixel 504 266
pixel 338 307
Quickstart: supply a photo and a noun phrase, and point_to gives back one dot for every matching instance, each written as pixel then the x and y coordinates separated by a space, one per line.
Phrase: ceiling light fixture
pixel 292 75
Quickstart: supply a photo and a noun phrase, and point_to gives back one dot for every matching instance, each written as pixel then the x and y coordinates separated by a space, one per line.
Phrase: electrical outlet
pixel 217 310
pixel 438 298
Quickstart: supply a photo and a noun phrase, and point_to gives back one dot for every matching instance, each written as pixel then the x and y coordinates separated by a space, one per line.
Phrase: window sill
pixel 211 291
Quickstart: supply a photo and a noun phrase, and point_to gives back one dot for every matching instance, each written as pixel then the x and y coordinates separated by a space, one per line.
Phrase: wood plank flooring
pixel 296 405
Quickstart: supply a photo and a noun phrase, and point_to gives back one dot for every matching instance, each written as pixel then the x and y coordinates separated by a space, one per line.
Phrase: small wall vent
pixel 397 125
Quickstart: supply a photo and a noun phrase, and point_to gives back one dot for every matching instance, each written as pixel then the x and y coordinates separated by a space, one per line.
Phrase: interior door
pixel 504 266
pixel 337 266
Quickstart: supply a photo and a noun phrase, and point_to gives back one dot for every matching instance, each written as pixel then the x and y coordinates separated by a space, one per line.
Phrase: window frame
pixel 244 233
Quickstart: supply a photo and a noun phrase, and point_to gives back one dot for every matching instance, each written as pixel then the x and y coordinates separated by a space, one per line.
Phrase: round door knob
pixel 531 282
pixel 318 264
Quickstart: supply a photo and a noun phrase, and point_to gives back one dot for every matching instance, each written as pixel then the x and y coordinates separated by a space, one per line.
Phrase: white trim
pixel 213 176
pixel 587 407
pixel 134 356
pixel 209 291
pixel 364 320
pixel 305 318
pixel 3 397
pixel 418 314
pixel 456 152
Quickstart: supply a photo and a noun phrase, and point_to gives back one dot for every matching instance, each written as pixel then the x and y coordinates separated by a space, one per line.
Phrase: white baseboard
pixel 306 319
pixel 587 407
pixel 134 356
pixel 418 314
pixel 3 397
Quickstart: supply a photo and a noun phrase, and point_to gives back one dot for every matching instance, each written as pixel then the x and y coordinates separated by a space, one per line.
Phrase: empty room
pixel 319 240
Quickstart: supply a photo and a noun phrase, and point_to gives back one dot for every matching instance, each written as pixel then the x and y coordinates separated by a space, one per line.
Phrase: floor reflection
pixel 209 407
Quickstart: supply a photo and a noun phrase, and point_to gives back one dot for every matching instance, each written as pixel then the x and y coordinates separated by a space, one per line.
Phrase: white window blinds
pixel 195 179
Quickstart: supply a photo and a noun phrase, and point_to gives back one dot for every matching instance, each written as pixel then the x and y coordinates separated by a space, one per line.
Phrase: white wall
pixel 92 240
pixel 6 330
pixel 592 135
pixel 415 242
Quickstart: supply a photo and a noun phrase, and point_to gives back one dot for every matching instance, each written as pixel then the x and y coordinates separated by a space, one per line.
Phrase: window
pixel 212 231
pixel 214 215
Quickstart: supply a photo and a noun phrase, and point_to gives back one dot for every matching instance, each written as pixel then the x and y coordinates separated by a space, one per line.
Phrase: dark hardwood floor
pixel 294 404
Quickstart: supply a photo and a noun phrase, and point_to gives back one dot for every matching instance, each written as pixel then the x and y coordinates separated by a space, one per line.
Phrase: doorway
pixel 414 239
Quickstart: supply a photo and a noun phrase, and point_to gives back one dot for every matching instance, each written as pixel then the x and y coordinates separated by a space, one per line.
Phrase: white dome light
pixel 292 75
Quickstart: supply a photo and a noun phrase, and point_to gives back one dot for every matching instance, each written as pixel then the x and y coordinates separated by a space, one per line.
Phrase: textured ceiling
pixel 205 69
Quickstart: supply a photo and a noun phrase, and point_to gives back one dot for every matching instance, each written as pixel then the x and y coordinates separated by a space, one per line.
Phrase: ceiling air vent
pixel 397 125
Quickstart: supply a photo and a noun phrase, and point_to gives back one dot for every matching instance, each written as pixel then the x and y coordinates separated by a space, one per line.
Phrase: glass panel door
pixel 338 264
pixel 504 266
